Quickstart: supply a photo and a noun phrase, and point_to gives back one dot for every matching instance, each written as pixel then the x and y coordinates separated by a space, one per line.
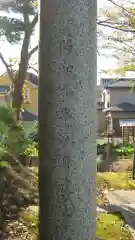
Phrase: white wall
pixel 100 121
pixel 106 94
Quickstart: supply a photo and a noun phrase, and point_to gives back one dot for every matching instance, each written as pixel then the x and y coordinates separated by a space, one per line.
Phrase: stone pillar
pixel 67 105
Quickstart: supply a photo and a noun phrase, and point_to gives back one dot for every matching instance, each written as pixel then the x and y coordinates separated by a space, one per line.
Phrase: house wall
pixel 2 102
pixel 32 106
pixel 115 96
pixel 98 93
pixel 106 98
pixel 116 116
pixel 5 80
pixel 100 121
pixel 119 95
pixel 123 115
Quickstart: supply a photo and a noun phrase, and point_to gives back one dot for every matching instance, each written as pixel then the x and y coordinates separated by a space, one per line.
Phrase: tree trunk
pixel 17 96
pixel 21 76
pixel 67 94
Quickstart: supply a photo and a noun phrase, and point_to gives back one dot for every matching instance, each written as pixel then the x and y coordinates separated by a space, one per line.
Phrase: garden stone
pixel 14 209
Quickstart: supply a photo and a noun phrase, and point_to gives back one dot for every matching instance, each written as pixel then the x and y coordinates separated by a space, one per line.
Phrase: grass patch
pixel 112 227
pixel 30 218
pixel 115 180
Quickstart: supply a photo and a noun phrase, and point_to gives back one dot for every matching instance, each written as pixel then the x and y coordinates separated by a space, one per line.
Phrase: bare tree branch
pixel 33 64
pixel 34 69
pixel 106 24
pixel 33 51
pixel 124 26
pixel 121 7
pixel 7 67
pixel 34 21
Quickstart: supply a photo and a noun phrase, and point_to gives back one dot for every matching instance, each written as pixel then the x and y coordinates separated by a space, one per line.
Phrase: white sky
pixel 10 51
pixel 104 63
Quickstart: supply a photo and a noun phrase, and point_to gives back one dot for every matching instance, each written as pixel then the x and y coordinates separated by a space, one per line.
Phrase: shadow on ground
pixel 126 210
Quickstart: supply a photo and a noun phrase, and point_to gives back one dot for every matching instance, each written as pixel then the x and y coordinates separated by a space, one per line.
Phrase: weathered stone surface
pixel 14 209
pixel 67 119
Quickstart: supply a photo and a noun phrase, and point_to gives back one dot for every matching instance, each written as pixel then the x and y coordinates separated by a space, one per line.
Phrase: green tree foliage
pixel 34 134
pixel 117 28
pixel 13 137
pixel 14 27
pixel 17 24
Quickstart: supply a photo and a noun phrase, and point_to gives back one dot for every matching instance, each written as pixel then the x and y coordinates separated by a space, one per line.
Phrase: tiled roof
pixel 122 83
pixel 28 116
pixel 32 78
pixel 122 107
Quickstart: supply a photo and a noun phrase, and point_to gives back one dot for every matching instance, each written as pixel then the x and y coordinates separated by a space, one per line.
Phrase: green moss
pixel 116 180
pixel 30 219
pixel 112 227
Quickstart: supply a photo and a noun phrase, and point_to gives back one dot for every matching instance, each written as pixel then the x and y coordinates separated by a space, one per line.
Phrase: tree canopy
pixel 18 20
pixel 117 27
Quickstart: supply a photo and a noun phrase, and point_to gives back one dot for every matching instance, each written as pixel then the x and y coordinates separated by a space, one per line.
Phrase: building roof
pixel 32 78
pixel 127 122
pixel 122 83
pixel 122 107
pixel 28 116
pixel 104 82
